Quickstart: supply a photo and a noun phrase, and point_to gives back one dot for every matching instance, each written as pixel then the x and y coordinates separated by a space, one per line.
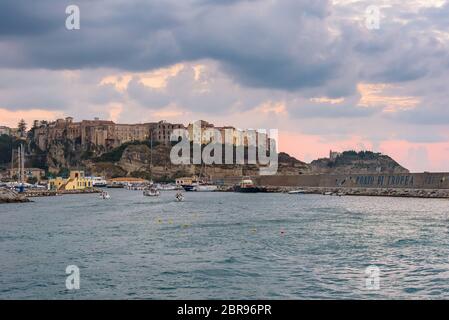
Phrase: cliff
pixel 134 159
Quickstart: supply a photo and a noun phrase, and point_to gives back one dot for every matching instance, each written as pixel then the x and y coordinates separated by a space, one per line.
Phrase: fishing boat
pixel 190 184
pixel 247 186
pixel 151 192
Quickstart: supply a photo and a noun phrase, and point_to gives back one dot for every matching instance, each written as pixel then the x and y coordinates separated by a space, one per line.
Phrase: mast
pixel 23 162
pixel 12 162
pixel 151 156
pixel 19 163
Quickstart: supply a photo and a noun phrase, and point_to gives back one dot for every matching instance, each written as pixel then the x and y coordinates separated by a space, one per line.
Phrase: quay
pixel 52 193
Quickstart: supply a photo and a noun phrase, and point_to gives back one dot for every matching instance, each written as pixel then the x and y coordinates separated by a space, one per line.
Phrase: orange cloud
pixel 11 118
pixel 373 95
pixel 417 157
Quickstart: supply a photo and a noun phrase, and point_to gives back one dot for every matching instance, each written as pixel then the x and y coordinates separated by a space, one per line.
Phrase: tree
pixel 22 128
pixel 32 180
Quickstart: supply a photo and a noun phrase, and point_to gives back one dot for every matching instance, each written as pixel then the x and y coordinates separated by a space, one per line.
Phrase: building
pixel 5 131
pixel 333 155
pixel 76 181
pixel 35 173
pixel 101 133
pixel 127 180
pixel 163 130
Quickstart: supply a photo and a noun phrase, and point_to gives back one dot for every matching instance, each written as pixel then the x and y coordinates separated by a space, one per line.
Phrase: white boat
pixel 98 182
pixel 105 196
pixel 300 191
pixel 205 188
pixel 167 187
pixel 151 192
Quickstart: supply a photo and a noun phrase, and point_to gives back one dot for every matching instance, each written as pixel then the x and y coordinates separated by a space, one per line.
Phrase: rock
pixel 357 162
pixel 11 196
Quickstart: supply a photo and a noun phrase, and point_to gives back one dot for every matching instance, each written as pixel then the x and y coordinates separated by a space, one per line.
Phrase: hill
pixel 357 162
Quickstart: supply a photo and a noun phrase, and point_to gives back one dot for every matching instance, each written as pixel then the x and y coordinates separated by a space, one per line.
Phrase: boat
pixel 179 197
pixel 167 187
pixel 136 186
pixel 200 184
pixel 205 188
pixel 191 186
pixel 115 185
pixel 247 186
pixel 151 192
pixel 105 196
pixel 98 182
pixel 300 191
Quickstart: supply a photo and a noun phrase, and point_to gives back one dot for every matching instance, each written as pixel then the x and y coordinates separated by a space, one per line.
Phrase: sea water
pixel 225 246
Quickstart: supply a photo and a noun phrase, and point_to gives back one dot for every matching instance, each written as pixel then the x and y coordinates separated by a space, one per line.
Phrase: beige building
pixel 5 131
pixel 102 133
pixel 29 173
pixel 163 130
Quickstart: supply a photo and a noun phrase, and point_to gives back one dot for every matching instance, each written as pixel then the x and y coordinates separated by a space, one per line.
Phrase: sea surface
pixel 225 246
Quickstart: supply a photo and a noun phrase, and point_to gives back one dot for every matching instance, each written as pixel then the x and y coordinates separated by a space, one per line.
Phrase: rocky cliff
pixel 134 159
pixel 357 162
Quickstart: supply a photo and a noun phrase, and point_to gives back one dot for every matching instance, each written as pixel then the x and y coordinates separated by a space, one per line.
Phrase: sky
pixel 319 71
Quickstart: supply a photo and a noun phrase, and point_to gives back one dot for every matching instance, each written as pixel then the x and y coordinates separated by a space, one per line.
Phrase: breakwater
pixel 11 196
pixel 420 185
pixel 366 181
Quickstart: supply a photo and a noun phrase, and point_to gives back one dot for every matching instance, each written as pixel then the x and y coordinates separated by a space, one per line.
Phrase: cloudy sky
pixel 311 68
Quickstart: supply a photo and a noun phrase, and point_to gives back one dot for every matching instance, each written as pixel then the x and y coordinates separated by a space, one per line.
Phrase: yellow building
pixel 76 181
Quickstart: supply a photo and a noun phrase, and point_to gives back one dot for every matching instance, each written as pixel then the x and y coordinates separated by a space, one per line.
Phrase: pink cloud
pixel 11 118
pixel 417 157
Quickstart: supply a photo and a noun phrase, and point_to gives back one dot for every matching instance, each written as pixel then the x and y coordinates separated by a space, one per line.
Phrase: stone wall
pixel 406 180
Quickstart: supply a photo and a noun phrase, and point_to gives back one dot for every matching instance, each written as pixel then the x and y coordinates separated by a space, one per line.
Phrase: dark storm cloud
pixel 288 48
pixel 262 44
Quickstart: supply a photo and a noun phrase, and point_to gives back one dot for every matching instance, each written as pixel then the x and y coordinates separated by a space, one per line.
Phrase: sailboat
pixel 204 185
pixel 152 190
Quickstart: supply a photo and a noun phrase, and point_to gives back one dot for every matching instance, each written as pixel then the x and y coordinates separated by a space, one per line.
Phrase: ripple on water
pixel 225 245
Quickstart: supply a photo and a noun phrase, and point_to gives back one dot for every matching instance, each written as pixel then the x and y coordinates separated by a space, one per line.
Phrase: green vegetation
pixel 87 155
pixel 32 180
pixel 63 173
pixel 7 144
pixel 363 155
pixel 22 126
pixel 141 174
pixel 116 154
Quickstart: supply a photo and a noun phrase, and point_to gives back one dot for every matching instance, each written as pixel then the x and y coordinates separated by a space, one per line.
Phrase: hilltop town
pixel 103 147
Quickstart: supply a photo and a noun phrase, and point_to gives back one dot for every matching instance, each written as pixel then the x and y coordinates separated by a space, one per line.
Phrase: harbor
pixel 278 245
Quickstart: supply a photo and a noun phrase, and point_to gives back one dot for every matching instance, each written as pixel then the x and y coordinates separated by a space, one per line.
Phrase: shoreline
pixel 366 192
